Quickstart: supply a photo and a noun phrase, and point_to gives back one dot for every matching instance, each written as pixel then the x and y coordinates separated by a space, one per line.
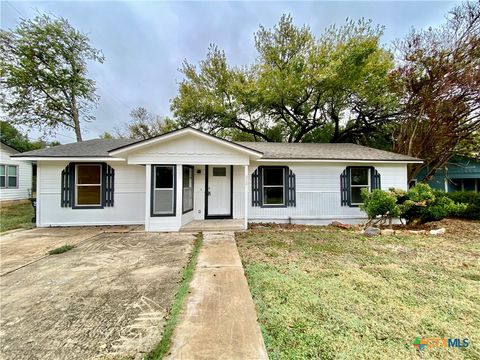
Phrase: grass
pixel 16 216
pixel 61 249
pixel 325 293
pixel 162 348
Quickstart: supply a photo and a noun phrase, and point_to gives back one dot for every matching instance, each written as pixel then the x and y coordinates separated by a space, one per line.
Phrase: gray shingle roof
pixel 323 151
pixel 88 148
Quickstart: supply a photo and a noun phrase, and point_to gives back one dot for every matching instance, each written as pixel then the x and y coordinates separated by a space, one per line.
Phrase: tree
pixel 300 87
pixel 470 147
pixel 106 135
pixel 438 81
pixel 44 74
pixel 145 125
pixel 14 138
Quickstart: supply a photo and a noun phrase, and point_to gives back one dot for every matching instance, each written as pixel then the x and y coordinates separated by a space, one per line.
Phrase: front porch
pixel 214 225
pixel 191 177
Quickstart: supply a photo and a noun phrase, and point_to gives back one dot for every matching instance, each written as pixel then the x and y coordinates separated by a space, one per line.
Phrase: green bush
pixel 441 208
pixel 421 193
pixel 420 203
pixel 472 199
pixel 379 203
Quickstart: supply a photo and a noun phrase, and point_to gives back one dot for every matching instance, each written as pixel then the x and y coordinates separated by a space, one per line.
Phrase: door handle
pixel 209 193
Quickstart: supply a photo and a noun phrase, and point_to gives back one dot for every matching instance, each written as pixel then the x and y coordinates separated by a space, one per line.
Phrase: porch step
pixel 213 225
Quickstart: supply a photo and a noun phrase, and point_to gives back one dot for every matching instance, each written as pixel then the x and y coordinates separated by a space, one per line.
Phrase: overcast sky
pixel 144 43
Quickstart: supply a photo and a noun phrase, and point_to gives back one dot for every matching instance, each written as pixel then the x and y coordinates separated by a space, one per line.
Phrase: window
pixel 88 185
pixel 219 171
pixel 163 190
pixel 8 176
pixel 359 179
pixel 273 186
pixel 187 177
pixel 3 181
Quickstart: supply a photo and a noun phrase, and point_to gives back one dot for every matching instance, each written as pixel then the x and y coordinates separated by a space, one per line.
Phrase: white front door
pixel 219 190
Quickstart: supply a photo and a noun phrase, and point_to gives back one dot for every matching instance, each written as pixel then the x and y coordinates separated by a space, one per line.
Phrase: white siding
pixel 188 150
pixel 318 193
pixel 238 192
pixel 129 198
pixel 24 176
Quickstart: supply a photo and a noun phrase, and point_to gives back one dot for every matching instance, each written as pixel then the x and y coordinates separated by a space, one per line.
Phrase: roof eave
pixel 413 161
pixel 66 158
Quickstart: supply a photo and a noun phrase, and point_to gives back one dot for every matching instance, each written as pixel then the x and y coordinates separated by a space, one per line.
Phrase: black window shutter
pixel 108 185
pixel 256 187
pixel 67 189
pixel 291 191
pixel 376 184
pixel 345 187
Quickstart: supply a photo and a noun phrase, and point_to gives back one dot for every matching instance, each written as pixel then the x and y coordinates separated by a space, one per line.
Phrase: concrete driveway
pixel 106 297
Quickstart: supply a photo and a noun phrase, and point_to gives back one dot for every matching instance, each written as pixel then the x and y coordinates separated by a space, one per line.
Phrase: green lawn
pixel 327 293
pixel 16 216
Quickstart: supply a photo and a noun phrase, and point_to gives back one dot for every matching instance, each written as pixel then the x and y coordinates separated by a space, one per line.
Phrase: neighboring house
pixel 15 175
pixel 167 181
pixel 460 174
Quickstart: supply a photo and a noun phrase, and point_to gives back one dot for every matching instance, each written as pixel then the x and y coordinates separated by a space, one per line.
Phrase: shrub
pixel 441 208
pixel 421 193
pixel 471 199
pixel 379 203
pixel 420 203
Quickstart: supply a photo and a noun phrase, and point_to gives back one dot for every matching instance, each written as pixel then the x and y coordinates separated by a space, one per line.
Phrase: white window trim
pixel 172 189
pixel 264 203
pixel 84 185
pixel 6 176
pixel 368 186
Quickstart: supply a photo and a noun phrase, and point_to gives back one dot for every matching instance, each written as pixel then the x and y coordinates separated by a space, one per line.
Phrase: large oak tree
pixel 301 88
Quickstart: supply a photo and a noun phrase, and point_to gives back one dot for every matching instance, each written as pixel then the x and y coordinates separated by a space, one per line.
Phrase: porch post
pixel 245 206
pixel 148 174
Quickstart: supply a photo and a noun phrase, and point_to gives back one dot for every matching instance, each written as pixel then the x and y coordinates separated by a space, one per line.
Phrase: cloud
pixel 145 42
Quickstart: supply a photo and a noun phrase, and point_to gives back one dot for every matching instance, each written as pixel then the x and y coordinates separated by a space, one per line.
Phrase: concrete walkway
pixel 219 320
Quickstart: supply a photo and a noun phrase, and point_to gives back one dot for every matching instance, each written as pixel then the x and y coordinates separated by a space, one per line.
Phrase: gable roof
pixel 324 151
pixel 106 149
pixel 181 132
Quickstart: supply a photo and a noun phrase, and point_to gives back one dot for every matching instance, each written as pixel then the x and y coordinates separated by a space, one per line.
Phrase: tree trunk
pixel 76 120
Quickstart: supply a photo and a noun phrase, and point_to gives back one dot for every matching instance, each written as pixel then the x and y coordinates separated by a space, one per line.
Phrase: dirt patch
pixel 453 226
pixel 106 297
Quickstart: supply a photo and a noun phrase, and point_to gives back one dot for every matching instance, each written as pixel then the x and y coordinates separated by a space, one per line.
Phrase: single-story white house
pixel 15 175
pixel 170 180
